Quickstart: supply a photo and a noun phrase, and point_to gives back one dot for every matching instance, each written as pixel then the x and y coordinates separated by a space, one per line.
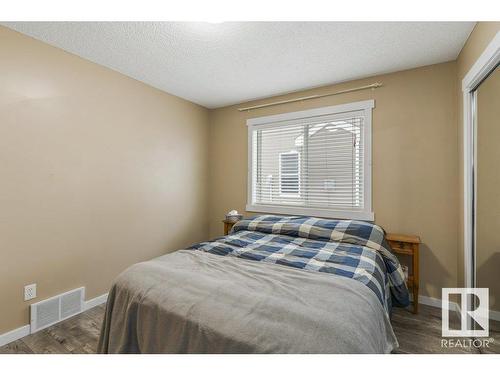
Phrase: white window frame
pixel 365 106
pixel 290 195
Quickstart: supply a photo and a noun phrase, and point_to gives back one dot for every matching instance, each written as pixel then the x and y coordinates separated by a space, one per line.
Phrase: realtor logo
pixel 474 321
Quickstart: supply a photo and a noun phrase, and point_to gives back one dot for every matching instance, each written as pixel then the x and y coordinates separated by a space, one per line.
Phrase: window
pixel 315 162
pixel 289 173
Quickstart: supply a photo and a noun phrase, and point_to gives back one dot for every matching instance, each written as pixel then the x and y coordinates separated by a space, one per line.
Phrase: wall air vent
pixel 52 310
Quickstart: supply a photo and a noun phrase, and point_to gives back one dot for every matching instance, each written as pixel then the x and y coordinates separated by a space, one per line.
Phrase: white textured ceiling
pixel 220 64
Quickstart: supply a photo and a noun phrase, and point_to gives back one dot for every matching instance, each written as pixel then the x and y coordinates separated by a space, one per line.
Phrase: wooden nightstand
pixel 227 226
pixel 408 246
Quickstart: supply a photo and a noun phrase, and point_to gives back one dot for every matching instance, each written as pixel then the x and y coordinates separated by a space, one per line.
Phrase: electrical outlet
pixel 29 292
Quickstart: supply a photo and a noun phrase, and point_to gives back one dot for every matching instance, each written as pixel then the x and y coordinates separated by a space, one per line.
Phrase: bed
pixel 273 285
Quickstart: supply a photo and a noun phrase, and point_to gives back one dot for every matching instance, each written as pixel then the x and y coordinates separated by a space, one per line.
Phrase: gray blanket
pixel 195 302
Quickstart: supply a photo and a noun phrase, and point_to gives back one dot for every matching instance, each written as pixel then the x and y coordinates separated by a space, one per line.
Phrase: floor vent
pixel 53 310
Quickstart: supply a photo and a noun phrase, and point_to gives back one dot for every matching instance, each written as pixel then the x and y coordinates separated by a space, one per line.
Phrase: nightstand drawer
pixel 402 247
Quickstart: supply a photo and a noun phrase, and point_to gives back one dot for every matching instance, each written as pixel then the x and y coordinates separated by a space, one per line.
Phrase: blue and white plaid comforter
pixel 354 249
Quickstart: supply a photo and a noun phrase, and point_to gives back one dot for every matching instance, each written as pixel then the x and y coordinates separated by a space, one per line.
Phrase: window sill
pixel 307 211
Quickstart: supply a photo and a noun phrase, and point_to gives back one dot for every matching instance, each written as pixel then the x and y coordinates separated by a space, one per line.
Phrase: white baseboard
pixel 436 302
pixel 14 335
pixel 23 331
pixel 495 315
pixel 95 302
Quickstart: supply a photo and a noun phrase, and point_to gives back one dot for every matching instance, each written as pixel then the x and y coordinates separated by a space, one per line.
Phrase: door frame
pixel 484 65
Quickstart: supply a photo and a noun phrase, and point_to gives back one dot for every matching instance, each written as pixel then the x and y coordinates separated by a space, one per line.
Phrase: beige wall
pixel 488 183
pixel 98 171
pixel 415 165
pixel 479 39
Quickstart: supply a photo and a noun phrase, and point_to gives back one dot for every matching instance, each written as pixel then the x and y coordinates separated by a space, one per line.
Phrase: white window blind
pixel 315 162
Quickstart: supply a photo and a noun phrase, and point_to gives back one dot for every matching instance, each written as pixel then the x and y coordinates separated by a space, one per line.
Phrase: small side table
pixel 408 246
pixel 228 224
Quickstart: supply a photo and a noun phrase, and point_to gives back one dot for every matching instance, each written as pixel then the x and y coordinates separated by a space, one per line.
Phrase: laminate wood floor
pixel 416 334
